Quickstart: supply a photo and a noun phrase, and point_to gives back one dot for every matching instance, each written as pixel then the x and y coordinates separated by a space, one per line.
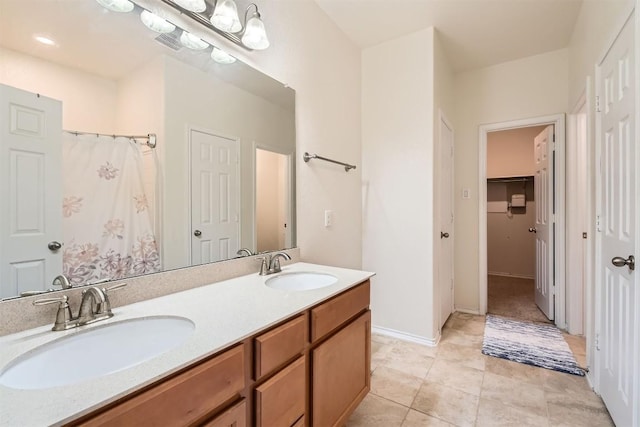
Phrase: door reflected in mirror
pixel 192 199
pixel 273 195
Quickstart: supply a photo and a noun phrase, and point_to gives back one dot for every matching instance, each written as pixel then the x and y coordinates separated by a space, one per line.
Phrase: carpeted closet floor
pixel 514 297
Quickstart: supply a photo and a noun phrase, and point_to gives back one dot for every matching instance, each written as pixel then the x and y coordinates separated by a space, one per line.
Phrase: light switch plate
pixel 466 193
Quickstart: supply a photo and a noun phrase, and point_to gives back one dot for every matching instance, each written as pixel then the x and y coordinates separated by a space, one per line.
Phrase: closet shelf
pixel 511 179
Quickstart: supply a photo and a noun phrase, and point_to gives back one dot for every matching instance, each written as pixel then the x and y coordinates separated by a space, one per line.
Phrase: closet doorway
pixel 521 211
pixel 513 245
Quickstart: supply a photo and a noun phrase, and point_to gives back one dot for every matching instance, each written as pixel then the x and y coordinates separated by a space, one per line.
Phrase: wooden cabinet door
pixel 280 401
pixel 341 373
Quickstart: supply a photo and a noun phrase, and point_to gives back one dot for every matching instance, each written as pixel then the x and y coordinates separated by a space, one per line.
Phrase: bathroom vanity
pixel 258 356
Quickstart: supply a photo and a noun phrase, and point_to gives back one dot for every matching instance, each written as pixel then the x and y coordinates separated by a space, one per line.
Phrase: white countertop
pixel 224 313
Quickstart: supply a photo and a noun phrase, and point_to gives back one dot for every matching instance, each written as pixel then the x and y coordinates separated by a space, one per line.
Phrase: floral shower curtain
pixel 106 224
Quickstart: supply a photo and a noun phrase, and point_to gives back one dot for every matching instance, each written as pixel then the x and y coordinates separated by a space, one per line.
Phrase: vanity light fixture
pixel 192 42
pixel 117 5
pixel 225 16
pixel 156 23
pixel 225 21
pixel 192 5
pixel 222 57
pixel 254 35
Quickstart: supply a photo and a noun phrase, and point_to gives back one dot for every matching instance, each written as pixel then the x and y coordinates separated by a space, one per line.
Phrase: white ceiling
pixel 475 33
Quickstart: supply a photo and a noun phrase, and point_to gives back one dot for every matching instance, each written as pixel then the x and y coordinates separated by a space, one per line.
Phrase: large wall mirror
pixel 85 191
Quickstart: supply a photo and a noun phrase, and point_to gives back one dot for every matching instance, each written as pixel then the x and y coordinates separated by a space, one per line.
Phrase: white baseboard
pixel 467 310
pixel 404 336
pixel 517 276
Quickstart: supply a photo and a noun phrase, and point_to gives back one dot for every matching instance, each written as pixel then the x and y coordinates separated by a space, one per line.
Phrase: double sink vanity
pixel 287 349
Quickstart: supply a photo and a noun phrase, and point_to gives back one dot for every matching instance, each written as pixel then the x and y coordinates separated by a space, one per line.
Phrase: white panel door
pixel 617 230
pixel 215 232
pixel 30 190
pixel 445 262
pixel 543 195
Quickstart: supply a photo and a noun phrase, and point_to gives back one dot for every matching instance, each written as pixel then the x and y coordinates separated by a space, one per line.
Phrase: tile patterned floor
pixel 454 384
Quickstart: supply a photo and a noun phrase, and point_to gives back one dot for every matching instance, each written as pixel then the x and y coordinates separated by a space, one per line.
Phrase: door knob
pixel 54 246
pixel 621 262
pixel 197 233
pixel 444 235
pixel 532 230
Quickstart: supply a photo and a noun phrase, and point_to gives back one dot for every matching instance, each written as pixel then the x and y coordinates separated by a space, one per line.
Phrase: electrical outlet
pixel 328 218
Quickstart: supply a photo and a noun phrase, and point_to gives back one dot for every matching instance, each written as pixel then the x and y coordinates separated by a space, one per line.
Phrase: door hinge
pixel 598 342
pixel 598 223
pixel 598 104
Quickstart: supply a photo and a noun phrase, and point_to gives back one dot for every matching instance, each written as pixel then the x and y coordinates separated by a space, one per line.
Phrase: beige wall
pixel 88 101
pixel 529 87
pixel 310 54
pixel 397 174
pixel 510 152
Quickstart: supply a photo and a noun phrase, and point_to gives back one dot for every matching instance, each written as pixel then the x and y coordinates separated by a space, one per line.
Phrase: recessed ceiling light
pixel 45 40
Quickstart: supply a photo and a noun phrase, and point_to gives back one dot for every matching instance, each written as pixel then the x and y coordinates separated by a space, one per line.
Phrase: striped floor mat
pixel 534 344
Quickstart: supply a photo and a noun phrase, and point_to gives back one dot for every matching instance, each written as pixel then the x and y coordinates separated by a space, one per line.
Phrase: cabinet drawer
pixel 236 416
pixel 184 398
pixel 281 400
pixel 333 313
pixel 279 345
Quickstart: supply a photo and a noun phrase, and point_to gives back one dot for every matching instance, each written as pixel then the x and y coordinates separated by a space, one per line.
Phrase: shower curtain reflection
pixel 107 225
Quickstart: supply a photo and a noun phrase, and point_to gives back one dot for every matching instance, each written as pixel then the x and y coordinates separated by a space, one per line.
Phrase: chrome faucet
pixel 61 280
pixel 245 251
pixel 95 306
pixel 271 263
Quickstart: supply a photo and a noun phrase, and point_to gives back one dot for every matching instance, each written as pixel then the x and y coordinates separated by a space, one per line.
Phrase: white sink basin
pixel 301 281
pixel 93 353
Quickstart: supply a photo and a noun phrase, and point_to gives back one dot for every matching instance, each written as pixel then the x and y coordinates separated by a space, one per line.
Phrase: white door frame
pixel 578 248
pixel 558 120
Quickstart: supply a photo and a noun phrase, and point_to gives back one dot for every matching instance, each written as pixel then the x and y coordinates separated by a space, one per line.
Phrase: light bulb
pixel 192 5
pixel 155 23
pixel 255 36
pixel 117 5
pixel 222 57
pixel 225 16
pixel 192 42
